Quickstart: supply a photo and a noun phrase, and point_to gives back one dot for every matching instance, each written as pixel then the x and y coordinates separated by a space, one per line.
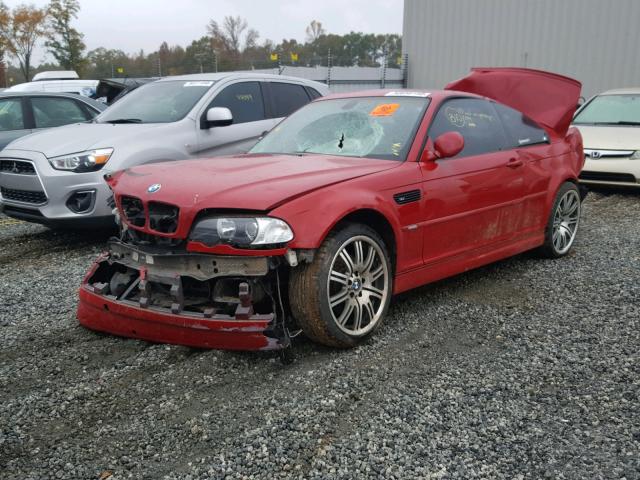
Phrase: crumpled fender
pixel 547 98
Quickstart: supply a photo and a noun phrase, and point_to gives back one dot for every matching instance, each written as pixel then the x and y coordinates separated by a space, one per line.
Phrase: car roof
pixel 99 105
pixel 401 92
pixel 622 91
pixel 227 75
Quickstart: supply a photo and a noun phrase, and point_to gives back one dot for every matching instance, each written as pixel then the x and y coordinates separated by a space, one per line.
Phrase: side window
pixel 287 98
pixel 11 114
pixel 243 99
pixel 476 120
pixel 521 130
pixel 313 93
pixel 56 111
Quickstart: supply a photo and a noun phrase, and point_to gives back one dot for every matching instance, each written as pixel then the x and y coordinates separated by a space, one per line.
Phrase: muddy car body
pixel 352 199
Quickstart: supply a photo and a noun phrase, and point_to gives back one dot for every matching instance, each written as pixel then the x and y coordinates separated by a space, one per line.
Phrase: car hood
pixel 610 138
pixel 249 182
pixel 79 137
pixel 547 98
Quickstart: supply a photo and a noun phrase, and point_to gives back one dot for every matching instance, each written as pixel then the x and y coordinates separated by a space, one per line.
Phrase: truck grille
pixel 24 196
pixel 17 167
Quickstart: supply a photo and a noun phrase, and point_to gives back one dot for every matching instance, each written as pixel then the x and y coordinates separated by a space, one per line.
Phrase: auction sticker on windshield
pixel 197 84
pixel 384 109
pixel 407 94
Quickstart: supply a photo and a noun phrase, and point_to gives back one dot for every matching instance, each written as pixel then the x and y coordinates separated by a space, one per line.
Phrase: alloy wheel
pixel 565 222
pixel 358 285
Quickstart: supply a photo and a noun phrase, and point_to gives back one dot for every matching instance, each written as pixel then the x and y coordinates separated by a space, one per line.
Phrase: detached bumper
pixel 137 313
pixel 97 312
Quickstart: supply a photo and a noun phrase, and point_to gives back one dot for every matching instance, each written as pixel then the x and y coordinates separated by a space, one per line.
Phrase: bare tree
pixel 25 25
pixel 4 25
pixel 314 31
pixel 229 35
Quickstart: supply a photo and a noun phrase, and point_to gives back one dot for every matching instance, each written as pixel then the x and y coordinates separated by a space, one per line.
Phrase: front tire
pixel 341 297
pixel 563 222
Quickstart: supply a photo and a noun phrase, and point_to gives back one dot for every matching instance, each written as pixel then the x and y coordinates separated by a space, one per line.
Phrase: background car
pixel 610 127
pixel 62 81
pixel 170 119
pixel 28 112
pixel 351 199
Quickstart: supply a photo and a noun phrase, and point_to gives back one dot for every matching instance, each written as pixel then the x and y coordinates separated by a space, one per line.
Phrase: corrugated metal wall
pixel 594 41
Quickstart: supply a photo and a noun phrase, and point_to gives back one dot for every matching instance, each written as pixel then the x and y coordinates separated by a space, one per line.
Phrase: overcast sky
pixel 130 25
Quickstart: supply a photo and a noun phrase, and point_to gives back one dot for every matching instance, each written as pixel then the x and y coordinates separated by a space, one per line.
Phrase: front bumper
pixel 42 194
pixel 137 316
pixel 622 172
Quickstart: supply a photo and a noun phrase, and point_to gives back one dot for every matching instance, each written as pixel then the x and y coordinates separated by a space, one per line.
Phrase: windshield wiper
pixel 124 120
pixel 625 122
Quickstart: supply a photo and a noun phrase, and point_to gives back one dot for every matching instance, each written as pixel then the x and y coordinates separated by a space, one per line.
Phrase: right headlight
pixel 82 162
pixel 241 231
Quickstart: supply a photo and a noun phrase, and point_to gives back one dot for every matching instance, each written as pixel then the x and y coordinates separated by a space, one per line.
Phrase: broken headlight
pixel 82 162
pixel 241 231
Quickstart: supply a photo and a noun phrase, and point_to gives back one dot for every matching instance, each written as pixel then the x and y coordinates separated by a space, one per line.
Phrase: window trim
pixel 203 115
pixel 466 97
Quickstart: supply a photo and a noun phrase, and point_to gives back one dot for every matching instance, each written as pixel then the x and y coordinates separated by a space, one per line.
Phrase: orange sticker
pixel 384 110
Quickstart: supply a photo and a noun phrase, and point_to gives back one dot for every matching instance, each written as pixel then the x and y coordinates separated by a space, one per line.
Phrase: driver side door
pixel 250 120
pixel 472 202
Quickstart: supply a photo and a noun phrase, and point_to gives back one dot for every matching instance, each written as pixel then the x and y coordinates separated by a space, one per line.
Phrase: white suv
pixel 57 175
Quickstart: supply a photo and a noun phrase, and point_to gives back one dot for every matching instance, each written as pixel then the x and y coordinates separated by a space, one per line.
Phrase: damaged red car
pixel 352 199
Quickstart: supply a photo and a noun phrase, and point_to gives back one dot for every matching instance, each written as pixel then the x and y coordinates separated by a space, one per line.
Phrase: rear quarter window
pixel 521 130
pixel 287 98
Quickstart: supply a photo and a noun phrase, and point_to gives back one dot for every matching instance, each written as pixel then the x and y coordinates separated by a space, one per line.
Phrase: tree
pixel 314 31
pixel 229 36
pixel 25 24
pixel 65 42
pixel 4 24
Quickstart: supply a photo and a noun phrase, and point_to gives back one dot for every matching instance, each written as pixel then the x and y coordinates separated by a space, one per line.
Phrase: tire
pixel 340 304
pixel 564 220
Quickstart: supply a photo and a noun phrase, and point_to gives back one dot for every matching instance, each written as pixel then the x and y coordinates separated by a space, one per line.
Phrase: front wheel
pixel 562 226
pixel 341 297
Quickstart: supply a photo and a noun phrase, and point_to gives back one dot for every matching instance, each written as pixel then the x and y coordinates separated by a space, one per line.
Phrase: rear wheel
pixel 562 226
pixel 341 298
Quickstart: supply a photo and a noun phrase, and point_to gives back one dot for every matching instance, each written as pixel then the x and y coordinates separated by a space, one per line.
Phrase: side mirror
pixel 447 145
pixel 218 117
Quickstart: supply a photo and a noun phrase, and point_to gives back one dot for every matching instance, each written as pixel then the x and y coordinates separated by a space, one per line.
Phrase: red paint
pixel 547 98
pixel 474 210
pixel 99 313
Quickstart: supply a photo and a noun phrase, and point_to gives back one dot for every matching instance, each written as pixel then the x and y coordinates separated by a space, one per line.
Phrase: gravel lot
pixel 524 369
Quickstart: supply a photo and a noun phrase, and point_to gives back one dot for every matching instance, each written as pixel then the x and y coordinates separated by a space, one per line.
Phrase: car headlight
pixel 84 161
pixel 636 155
pixel 241 231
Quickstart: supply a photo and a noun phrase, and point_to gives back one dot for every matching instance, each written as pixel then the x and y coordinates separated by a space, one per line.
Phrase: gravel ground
pixel 527 368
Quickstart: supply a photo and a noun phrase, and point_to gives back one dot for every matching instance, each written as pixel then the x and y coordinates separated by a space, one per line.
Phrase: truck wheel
pixel 341 297
pixel 562 226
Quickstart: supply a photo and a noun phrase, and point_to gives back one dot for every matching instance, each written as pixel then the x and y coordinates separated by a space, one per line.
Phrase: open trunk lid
pixel 545 97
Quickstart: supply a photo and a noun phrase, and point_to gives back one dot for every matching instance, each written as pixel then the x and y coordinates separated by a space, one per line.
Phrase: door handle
pixel 515 163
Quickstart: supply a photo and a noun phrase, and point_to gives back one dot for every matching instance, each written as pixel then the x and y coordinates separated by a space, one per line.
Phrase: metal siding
pixel 593 41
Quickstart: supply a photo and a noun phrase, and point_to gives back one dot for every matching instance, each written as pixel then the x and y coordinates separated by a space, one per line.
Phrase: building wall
pixel 594 41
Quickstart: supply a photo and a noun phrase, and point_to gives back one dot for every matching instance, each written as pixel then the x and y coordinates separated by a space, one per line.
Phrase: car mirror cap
pixel 218 117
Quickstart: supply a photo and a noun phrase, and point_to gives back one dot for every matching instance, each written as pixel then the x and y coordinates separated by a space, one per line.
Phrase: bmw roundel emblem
pixel 154 188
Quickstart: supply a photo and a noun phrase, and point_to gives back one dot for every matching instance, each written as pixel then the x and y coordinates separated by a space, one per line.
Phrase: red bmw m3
pixel 350 200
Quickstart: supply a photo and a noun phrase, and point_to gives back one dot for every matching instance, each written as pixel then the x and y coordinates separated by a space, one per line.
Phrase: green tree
pixel 65 42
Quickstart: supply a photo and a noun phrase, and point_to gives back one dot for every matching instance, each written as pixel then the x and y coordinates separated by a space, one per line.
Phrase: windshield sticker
pixel 384 109
pixel 407 94
pixel 197 84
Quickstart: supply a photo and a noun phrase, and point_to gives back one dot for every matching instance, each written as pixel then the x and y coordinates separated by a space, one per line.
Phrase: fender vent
pixel 407 197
